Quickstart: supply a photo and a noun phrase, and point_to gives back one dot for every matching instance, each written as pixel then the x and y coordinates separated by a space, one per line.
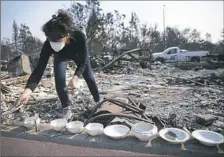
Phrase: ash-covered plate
pixel 174 135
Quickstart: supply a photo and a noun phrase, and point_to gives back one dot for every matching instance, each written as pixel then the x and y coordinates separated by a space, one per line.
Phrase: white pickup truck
pixel 175 54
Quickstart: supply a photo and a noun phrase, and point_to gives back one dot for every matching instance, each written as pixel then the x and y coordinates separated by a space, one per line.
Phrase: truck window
pixel 173 51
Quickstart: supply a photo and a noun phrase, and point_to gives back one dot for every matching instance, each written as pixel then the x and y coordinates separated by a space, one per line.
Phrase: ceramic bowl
pixel 208 138
pixel 58 124
pixel 180 136
pixel 116 131
pixel 94 129
pixel 144 131
pixel 29 122
pixel 75 126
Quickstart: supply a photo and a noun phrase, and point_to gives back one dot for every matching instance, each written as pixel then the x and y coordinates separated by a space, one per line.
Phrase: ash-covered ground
pixel 190 98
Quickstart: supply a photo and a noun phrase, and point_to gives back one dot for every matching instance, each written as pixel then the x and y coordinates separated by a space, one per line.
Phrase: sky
pixel 205 16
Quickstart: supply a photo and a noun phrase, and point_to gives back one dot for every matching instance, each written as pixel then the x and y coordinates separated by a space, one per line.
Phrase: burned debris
pixel 135 91
pixel 169 96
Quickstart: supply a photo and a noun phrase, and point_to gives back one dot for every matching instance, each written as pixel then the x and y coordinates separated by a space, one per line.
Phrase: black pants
pixel 60 65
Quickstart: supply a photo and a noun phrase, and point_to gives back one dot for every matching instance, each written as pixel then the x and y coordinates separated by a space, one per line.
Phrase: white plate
pixel 116 131
pixel 209 138
pixel 58 124
pixel 181 135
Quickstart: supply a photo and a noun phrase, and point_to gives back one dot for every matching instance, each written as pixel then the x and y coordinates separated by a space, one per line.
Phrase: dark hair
pixel 58 26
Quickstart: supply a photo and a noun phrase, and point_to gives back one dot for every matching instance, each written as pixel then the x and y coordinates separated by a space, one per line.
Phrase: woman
pixel 65 45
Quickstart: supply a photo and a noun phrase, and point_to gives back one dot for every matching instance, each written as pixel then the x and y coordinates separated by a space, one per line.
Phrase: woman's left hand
pixel 73 82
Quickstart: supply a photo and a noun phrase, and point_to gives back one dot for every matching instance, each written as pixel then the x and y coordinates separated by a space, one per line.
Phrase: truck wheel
pixel 195 59
pixel 160 59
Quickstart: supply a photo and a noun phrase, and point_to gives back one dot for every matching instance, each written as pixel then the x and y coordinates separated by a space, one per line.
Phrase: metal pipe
pixel 126 104
pixel 117 102
pixel 118 115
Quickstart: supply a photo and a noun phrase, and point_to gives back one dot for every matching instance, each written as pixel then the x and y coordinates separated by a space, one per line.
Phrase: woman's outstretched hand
pixel 25 96
pixel 73 82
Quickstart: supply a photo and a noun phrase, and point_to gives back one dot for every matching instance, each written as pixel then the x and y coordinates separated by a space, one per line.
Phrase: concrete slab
pixel 131 144
pixel 20 147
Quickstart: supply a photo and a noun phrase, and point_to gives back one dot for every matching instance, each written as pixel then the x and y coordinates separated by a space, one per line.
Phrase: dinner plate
pixel 116 131
pixel 209 138
pixel 174 135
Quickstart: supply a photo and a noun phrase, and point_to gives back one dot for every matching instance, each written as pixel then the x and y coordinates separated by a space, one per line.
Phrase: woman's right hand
pixel 25 96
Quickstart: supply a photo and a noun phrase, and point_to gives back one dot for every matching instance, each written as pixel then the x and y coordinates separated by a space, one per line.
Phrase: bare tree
pixel 15 35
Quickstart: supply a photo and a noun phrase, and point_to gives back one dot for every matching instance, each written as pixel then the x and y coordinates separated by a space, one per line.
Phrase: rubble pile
pixel 180 98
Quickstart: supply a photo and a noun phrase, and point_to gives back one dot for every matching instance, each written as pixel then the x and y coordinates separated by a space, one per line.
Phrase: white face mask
pixel 57 46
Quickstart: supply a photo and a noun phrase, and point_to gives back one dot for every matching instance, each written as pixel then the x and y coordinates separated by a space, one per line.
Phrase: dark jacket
pixel 76 47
